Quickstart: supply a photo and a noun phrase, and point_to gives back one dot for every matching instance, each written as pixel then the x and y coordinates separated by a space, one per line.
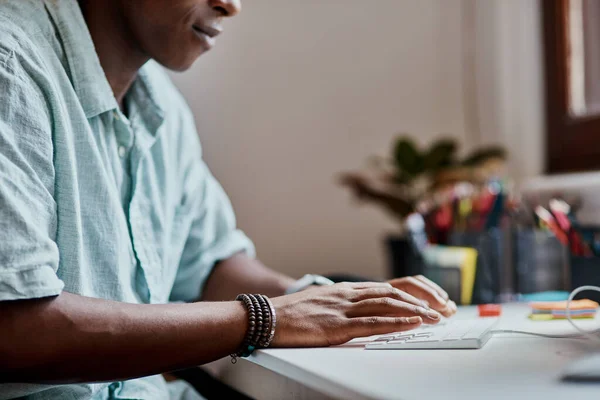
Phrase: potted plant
pixel 419 180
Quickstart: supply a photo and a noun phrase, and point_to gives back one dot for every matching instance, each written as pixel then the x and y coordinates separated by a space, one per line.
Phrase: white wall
pixel 299 90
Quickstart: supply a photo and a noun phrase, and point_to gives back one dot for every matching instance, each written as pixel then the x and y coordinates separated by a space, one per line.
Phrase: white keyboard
pixel 451 334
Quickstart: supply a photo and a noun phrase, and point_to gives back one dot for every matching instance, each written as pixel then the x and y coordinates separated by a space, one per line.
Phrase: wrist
pixel 239 324
pixel 262 321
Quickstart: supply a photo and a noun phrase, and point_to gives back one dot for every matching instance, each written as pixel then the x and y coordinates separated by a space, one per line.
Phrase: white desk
pixel 508 367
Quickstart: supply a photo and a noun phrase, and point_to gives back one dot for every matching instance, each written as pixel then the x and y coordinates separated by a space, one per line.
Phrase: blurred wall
pixel 508 91
pixel 299 90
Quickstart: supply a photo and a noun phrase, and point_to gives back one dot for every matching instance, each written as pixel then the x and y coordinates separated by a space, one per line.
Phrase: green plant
pixel 414 175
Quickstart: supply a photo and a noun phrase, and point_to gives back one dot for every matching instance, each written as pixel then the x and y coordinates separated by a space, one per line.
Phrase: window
pixel 572 69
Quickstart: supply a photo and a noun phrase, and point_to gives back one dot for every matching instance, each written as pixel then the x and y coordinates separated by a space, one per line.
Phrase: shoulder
pixel 25 113
pixel 22 24
pixel 26 34
pixel 24 77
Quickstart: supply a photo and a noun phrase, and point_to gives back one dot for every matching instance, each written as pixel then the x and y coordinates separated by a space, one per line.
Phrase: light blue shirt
pixel 93 202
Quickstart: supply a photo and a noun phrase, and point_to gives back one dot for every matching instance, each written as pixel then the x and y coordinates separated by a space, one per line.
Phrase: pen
pixel 560 209
pixel 550 222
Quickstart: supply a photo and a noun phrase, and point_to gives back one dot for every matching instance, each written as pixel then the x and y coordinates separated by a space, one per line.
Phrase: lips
pixel 208 30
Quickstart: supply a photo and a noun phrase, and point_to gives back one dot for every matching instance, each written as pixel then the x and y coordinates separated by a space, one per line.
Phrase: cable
pixel 567 336
pixel 582 332
pixel 590 334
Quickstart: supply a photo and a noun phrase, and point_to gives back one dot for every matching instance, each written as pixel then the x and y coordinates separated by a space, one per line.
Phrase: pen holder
pixel 490 247
pixel 540 261
pixel 585 271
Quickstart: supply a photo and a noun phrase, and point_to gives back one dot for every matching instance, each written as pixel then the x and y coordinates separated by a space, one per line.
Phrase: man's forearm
pixel 242 274
pixel 71 338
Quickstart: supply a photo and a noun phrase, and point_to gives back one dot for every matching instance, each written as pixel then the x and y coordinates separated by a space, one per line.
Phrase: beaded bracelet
pixel 261 324
pixel 248 338
pixel 269 318
pixel 273 321
pixel 260 321
pixel 266 315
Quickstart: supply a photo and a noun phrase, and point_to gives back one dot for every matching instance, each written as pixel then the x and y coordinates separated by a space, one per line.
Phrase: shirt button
pixel 116 115
pixel 122 151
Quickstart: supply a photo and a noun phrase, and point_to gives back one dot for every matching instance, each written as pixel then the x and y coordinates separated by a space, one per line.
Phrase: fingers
pixel 425 292
pixel 434 285
pixel 450 305
pixel 368 326
pixel 365 285
pixel 417 290
pixel 389 291
pixel 388 307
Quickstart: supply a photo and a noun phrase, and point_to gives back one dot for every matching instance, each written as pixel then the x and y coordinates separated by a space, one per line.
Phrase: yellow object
pixel 465 208
pixel 467 275
pixel 463 258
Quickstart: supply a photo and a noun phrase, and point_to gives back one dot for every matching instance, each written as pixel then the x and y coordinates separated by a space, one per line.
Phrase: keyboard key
pixel 456 334
pixel 424 340
pixel 376 343
pixel 384 338
pixel 397 341
pixel 424 334
pixel 404 335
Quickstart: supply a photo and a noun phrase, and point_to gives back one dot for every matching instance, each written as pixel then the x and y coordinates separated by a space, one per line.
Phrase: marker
pixel 550 222
pixel 561 210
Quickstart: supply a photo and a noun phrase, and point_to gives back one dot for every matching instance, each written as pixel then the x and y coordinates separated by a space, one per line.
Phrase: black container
pixel 404 259
pixel 491 261
pixel 540 262
pixel 585 271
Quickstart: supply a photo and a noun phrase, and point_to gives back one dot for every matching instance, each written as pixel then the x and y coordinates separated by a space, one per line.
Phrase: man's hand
pixel 331 315
pixel 424 289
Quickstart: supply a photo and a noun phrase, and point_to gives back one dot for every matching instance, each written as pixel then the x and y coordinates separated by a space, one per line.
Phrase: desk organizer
pixel 585 271
pixel 490 247
pixel 540 262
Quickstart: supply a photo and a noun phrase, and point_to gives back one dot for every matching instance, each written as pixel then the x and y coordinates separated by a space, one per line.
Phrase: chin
pixel 177 65
pixel 180 61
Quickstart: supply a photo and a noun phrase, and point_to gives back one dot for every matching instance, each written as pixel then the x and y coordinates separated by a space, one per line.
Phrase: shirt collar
pixel 144 94
pixel 86 73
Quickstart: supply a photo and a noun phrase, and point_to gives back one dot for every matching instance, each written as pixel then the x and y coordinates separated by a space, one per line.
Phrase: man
pixel 111 226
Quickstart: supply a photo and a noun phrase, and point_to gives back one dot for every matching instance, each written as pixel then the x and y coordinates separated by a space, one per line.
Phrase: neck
pixel 119 56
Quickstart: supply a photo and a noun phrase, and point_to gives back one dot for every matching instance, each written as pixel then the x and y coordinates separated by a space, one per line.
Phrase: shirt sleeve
pixel 28 253
pixel 213 235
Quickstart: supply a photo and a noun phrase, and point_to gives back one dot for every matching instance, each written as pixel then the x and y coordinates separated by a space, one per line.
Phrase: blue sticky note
pixel 546 296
